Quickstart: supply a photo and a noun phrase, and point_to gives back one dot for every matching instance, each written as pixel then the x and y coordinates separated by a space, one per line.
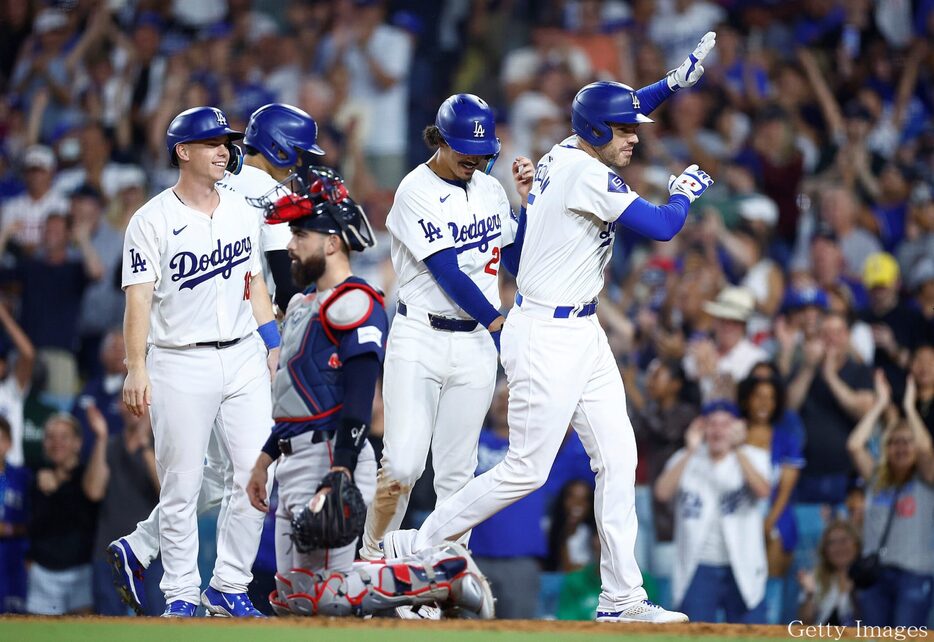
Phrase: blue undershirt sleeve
pixel 651 96
pixel 513 252
pixel 658 222
pixel 359 374
pixel 460 287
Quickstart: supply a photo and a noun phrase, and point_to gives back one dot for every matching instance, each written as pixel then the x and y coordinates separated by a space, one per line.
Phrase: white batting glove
pixel 691 183
pixel 692 68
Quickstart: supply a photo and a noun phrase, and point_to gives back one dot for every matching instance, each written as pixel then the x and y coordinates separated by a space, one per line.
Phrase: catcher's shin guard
pixel 448 578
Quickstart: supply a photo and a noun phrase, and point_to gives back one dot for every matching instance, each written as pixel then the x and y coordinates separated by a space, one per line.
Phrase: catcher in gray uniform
pixel 333 343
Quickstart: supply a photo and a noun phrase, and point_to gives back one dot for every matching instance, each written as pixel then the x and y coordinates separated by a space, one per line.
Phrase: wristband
pixel 269 331
pixel 271 447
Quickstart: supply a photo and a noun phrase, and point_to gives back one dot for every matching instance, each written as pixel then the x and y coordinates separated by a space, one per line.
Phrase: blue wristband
pixel 269 331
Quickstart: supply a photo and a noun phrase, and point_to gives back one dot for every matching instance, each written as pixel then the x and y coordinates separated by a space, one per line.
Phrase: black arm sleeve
pixel 281 267
pixel 360 375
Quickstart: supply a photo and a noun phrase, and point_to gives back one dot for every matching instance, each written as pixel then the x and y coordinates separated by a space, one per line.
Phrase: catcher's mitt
pixel 334 522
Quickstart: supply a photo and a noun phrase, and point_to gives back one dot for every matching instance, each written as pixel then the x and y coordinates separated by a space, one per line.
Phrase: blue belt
pixel 567 311
pixel 443 323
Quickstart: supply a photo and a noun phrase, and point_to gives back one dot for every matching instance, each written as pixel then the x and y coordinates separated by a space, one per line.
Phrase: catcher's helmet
pixel 467 125
pixel 282 134
pixel 202 123
pixel 323 206
pixel 600 103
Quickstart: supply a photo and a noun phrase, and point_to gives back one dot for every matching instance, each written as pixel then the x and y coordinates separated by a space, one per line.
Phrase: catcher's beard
pixel 306 272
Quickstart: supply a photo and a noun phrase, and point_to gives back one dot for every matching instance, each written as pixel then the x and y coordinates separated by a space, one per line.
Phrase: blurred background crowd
pixel 788 328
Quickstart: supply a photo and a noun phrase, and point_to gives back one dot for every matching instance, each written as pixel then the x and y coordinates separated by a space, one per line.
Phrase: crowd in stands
pixel 778 353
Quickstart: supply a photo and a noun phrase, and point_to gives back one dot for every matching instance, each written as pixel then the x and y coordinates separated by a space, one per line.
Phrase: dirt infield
pixel 352 629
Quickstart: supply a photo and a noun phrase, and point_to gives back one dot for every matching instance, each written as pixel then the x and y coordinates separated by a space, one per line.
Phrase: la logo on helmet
pixel 635 101
pixel 221 119
pixel 478 131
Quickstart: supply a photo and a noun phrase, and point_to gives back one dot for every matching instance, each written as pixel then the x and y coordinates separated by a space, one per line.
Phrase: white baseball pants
pixel 560 372
pixel 195 391
pixel 145 539
pixel 298 475
pixel 437 389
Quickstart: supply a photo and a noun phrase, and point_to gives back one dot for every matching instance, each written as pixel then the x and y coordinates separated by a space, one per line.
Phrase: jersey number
pixel 137 262
pixel 491 266
pixel 246 286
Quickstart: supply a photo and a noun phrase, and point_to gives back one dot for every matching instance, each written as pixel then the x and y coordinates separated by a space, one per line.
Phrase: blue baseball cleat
pixel 180 608
pixel 221 604
pixel 127 574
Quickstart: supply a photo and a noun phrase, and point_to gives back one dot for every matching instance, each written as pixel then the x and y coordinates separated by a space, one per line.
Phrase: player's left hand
pixel 692 182
pixel 690 71
pixel 523 171
pixel 272 362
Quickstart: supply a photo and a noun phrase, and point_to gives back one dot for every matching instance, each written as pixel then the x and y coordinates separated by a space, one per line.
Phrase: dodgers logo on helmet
pixel 599 104
pixel 467 125
pixel 283 134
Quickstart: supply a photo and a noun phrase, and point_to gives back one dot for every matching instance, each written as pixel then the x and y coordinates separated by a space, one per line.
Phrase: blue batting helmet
pixel 601 103
pixel 282 133
pixel 467 125
pixel 202 123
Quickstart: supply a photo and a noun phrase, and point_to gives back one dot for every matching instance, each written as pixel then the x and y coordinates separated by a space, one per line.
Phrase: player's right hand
pixel 137 392
pixel 691 183
pixel 256 487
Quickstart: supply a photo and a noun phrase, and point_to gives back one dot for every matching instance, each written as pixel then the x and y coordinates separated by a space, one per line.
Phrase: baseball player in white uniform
pixel 451 230
pixel 280 142
pixel 558 363
pixel 196 298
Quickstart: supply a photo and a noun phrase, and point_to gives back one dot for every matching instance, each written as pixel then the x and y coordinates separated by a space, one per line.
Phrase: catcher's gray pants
pixel 298 475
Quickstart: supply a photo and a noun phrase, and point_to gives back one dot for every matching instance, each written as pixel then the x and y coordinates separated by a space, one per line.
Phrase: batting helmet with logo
pixel 202 123
pixel 467 125
pixel 599 104
pixel 283 134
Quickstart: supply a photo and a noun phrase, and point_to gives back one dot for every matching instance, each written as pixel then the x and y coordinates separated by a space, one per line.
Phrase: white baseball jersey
pixel 430 214
pixel 201 267
pixel 573 206
pixel 252 182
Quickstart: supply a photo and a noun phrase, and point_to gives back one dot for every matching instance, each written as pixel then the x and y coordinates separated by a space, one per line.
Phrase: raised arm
pixel 93 267
pixel 97 473
pixel 825 97
pixel 666 486
pixel 855 402
pixel 921 435
pixel 686 75
pixel 26 352
pixel 856 443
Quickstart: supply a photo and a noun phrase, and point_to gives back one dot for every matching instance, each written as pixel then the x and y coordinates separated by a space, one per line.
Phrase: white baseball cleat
pixel 398 544
pixel 643 611
pixel 418 612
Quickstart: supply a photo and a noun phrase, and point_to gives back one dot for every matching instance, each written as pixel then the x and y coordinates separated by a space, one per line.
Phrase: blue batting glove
pixel 496 336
